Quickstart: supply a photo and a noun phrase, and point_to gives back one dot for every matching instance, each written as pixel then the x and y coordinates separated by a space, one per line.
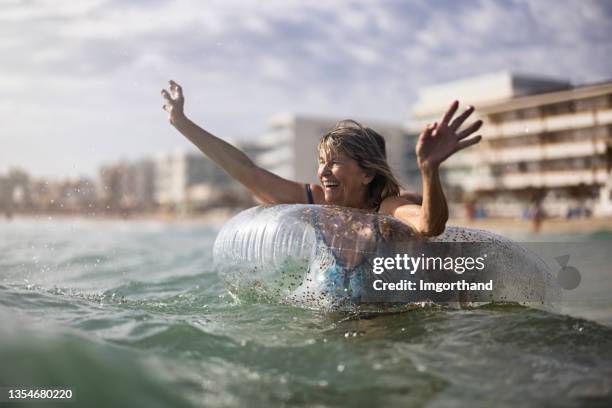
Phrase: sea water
pixel 133 313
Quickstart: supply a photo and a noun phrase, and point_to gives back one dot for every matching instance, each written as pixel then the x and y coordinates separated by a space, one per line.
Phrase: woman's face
pixel 344 182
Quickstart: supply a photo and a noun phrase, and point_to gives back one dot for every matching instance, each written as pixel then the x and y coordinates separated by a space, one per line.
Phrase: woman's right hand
pixel 174 102
pixel 441 140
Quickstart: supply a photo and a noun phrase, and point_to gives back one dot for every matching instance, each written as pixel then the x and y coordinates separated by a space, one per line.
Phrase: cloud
pixel 243 61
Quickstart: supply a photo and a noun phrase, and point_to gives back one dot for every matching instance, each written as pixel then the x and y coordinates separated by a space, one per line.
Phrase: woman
pixel 353 170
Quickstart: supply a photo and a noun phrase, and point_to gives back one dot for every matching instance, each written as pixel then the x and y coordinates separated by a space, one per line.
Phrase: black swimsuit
pixel 309 194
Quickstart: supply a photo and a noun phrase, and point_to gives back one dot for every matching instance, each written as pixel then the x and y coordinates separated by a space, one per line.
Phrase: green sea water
pixel 134 314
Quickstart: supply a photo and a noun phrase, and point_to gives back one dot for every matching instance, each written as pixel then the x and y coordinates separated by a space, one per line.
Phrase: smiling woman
pixel 353 169
pixel 350 156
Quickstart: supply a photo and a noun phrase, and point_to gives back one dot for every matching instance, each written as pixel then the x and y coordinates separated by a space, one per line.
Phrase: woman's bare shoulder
pixel 414 198
pixel 390 204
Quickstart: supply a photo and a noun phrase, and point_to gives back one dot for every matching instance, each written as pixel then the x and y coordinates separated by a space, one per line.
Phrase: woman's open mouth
pixel 330 184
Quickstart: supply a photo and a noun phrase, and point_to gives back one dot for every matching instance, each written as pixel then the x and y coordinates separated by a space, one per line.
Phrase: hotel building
pixel 542 139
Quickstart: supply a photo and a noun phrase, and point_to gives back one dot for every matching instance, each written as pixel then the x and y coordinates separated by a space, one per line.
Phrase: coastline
pixel 552 226
pixel 218 217
pixel 214 218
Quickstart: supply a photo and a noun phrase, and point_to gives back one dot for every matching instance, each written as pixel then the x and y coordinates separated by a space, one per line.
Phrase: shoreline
pixel 548 226
pixel 214 217
pixel 219 216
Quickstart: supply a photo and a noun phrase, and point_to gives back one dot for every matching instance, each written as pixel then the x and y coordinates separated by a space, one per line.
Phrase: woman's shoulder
pixel 403 199
pixel 412 197
pixel 391 203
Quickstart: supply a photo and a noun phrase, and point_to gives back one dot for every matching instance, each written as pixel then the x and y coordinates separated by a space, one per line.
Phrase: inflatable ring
pixel 340 259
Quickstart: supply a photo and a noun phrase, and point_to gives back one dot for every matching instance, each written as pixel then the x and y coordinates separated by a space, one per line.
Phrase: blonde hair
pixel 368 149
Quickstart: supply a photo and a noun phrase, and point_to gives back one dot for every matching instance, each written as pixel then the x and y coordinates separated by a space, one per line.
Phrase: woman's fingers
pixel 468 142
pixel 166 96
pixel 169 105
pixel 176 88
pixel 469 130
pixel 173 83
pixel 428 130
pixel 456 124
pixel 449 113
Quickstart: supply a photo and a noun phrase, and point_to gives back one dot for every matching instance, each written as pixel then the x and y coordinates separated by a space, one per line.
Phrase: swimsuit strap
pixel 309 194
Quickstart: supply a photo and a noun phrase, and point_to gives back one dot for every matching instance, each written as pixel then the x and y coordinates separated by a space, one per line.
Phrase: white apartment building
pixel 541 138
pixel 183 179
pixel 291 146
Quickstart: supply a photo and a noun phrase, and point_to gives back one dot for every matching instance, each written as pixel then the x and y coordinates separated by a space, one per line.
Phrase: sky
pixel 80 80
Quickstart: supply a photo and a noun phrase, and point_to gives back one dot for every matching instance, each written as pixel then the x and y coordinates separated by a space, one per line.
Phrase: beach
pixel 553 226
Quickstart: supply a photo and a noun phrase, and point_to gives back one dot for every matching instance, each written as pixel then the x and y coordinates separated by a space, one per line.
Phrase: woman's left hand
pixel 439 141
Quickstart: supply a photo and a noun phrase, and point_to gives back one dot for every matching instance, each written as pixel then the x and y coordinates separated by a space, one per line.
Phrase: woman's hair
pixel 368 149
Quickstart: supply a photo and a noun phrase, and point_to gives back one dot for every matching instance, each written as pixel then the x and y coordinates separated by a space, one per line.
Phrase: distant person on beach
pixel 353 169
pixel 470 209
pixel 537 215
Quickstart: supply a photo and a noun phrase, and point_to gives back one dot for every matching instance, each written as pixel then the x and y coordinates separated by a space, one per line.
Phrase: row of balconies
pixel 533 153
pixel 535 179
pixel 549 124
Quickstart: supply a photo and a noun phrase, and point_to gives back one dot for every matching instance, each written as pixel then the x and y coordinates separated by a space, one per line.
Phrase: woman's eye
pixel 323 162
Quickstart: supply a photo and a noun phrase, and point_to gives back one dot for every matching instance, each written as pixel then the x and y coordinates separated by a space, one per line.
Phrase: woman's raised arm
pixel 436 143
pixel 267 186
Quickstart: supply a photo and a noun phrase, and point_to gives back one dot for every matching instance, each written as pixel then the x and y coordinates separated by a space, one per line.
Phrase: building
pixel 543 139
pixel 6 196
pixel 291 147
pixel 21 193
pixel 191 182
pixel 127 186
pixel 142 181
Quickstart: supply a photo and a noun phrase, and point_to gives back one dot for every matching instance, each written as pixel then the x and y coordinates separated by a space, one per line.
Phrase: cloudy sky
pixel 80 80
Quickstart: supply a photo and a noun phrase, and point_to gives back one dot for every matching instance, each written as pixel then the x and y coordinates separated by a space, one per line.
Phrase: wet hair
pixel 368 149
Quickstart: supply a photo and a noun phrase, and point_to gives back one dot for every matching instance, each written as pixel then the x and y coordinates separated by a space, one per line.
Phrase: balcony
pixel 548 124
pixel 545 152
pixel 516 128
pixel 551 179
pixel 483 181
pixel 569 121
